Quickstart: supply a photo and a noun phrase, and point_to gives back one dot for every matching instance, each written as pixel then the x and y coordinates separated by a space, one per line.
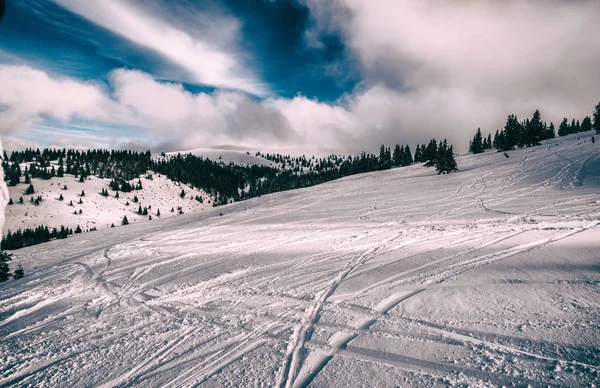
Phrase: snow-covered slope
pixel 97 211
pixel 227 155
pixel 489 276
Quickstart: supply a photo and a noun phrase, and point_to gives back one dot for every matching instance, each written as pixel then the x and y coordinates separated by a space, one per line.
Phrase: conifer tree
pixel 596 119
pixel 445 162
pixel 29 190
pixel 550 132
pixel 586 124
pixel 563 128
pixel 19 272
pixel 78 230
pixel 60 197
pixel 124 221
pixel 4 269
pixel 140 210
pixel 182 194
pixel 489 141
pixel 476 143
pixel 10 201
pixel 430 153
pixel 396 158
pixel 158 212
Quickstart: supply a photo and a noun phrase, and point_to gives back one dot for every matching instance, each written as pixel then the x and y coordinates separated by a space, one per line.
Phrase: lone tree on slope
pixel 19 272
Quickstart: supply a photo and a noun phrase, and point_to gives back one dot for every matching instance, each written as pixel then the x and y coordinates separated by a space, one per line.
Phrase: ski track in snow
pixel 401 277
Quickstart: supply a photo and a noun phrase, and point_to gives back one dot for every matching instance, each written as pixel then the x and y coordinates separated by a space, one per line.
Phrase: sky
pixel 342 76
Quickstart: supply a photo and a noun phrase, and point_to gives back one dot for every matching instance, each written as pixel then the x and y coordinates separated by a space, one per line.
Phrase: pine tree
pixel 534 130
pixel 29 190
pixel 477 143
pixel 430 153
pixel 19 272
pixel 4 269
pixel 158 212
pixel 396 158
pixel 82 193
pixel 586 124
pixel 445 162
pixel 140 210
pixel 596 119
pixel 124 221
pixel 78 230
pixel 60 197
pixel 563 128
pixel 551 132
pixel 182 194
pixel 10 201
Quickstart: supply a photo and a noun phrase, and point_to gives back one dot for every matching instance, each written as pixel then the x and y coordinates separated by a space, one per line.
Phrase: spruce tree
pixel 29 190
pixel 586 124
pixel 563 128
pixel 124 221
pixel 477 143
pixel 550 132
pixel 4 269
pixel 10 201
pixel 396 158
pixel 596 119
pixel 19 272
pixel 78 230
pixel 407 158
pixel 182 194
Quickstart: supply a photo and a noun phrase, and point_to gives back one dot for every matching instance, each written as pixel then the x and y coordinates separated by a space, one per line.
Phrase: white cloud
pixel 29 94
pixel 450 66
pixel 208 54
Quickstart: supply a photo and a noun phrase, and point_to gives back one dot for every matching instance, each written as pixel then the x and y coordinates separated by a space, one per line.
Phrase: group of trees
pixel 531 132
pixel 22 238
pixel 480 144
pixel 5 274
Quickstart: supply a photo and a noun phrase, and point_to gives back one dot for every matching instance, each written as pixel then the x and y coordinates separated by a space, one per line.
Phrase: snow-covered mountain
pixel 485 277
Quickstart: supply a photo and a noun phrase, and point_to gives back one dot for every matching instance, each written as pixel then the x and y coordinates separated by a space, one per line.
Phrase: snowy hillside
pixel 486 277
pixel 97 211
pixel 244 158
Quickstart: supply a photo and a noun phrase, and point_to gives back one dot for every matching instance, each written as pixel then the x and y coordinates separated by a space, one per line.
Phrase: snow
pixel 228 155
pixel 160 193
pixel 486 277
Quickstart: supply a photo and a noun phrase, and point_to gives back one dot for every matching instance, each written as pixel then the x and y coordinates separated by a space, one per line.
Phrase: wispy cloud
pixel 205 49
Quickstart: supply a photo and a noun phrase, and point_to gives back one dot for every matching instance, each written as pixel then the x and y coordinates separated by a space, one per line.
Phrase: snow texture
pixel 486 277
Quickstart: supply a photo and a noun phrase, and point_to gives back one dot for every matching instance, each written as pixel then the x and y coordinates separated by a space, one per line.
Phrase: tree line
pixel 531 132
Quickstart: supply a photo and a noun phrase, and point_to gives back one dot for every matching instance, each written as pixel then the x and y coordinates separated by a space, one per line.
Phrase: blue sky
pixel 342 75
